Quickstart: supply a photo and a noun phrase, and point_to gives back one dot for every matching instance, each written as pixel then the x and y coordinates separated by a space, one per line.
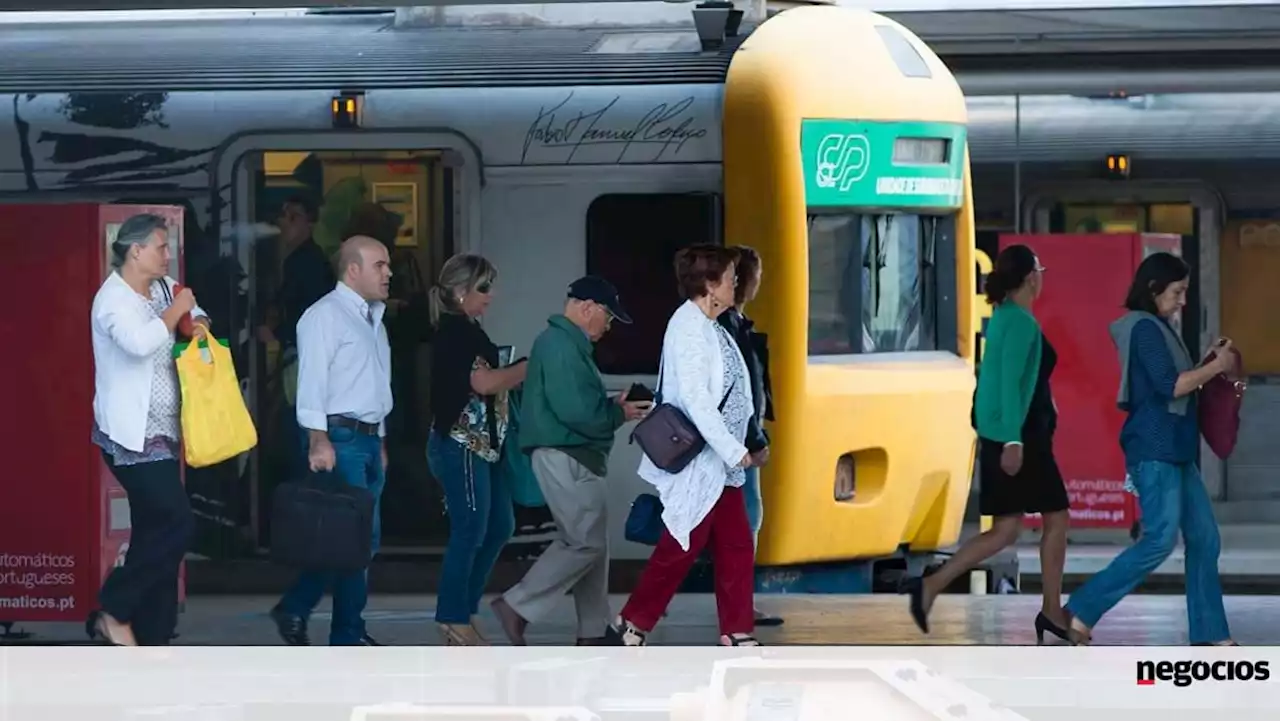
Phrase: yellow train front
pixel 845 164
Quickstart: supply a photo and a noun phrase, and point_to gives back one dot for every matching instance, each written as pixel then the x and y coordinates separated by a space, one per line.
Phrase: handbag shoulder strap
pixel 726 395
pixel 657 393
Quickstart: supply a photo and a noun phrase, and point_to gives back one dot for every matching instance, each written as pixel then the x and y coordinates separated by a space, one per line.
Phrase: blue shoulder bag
pixel 644 522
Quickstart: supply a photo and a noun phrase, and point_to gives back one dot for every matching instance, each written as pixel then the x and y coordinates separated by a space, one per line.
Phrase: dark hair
pixel 747 264
pixel 697 266
pixel 307 205
pixel 1012 267
pixel 1156 273
pixel 137 230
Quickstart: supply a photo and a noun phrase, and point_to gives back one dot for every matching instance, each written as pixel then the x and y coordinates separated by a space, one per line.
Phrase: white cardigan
pixel 693 381
pixel 126 337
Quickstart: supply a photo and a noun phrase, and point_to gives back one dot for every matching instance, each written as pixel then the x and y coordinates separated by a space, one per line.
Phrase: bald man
pixel 344 397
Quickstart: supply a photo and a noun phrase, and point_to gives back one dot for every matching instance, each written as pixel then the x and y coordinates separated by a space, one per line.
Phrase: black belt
pixel 367 429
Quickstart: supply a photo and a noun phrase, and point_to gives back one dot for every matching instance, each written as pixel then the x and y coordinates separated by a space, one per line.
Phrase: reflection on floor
pixel 810 620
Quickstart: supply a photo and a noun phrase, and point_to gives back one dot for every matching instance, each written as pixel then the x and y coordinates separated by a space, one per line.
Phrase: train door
pixel 419 198
pixel 1192 211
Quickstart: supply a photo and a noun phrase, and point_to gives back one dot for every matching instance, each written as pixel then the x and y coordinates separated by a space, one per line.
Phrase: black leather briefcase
pixel 322 523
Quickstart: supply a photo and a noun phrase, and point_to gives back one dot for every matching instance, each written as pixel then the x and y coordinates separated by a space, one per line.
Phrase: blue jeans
pixel 481 521
pixel 359 462
pixel 1173 498
pixel 755 506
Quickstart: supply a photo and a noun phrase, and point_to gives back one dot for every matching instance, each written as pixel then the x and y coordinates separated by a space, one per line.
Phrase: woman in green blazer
pixel 1015 417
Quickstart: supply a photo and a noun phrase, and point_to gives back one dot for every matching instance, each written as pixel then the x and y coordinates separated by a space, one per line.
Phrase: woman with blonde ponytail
pixel 469 409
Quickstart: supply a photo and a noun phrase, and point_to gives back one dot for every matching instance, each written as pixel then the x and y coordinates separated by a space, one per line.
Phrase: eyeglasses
pixel 608 314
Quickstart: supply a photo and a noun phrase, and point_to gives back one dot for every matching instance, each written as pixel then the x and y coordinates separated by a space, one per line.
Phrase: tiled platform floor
pixel 810 620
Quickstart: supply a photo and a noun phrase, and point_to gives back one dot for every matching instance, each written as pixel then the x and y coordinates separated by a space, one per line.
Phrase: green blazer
pixel 1007 377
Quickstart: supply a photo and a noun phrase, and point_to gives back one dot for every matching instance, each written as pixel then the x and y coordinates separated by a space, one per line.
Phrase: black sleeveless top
pixel 1042 417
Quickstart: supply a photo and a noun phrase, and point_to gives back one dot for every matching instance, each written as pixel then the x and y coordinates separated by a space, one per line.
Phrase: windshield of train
pixel 873 281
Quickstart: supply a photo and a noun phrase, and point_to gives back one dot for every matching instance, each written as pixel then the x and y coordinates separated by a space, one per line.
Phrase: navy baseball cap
pixel 599 290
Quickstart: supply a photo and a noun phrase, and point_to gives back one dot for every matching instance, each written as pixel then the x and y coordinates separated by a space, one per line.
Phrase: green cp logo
pixel 842 160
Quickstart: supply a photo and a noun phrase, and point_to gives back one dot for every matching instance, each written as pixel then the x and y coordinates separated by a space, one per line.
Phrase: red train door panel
pixel 64 521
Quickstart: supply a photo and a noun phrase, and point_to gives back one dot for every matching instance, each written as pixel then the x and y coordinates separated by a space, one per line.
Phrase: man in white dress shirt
pixel 344 397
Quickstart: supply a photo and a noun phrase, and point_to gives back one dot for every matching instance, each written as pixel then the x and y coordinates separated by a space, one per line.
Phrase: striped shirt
pixel 1151 432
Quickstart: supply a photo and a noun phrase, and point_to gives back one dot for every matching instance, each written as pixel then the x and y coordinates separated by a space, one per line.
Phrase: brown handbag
pixel 667 436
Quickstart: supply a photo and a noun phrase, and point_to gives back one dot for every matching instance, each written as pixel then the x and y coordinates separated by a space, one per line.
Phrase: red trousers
pixel 733 560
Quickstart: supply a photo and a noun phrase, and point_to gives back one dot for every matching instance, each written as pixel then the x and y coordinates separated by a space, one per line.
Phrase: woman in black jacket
pixel 755 351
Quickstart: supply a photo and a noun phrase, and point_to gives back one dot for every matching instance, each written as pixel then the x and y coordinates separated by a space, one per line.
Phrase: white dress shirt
pixel 693 380
pixel 344 361
pixel 127 337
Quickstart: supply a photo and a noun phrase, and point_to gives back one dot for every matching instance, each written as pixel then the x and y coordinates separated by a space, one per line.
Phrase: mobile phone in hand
pixel 638 392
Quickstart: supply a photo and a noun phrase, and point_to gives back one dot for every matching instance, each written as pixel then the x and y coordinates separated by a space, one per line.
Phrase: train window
pixel 874 282
pixel 904 54
pixel 632 240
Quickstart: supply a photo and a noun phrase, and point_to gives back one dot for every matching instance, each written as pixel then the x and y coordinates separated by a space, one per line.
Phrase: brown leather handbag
pixel 667 436
pixel 1219 410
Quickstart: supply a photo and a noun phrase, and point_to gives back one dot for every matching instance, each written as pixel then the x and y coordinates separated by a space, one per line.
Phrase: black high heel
pixel 97 631
pixel 915 589
pixel 1044 624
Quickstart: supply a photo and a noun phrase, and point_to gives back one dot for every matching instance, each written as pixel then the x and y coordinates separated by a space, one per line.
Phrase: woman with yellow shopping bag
pixel 136 409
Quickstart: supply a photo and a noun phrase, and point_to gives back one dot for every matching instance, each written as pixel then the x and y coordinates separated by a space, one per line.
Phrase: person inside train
pixel 1015 417
pixel 755 350
pixel 469 409
pixel 136 413
pixel 567 426
pixel 306 276
pixel 1159 381
pixel 703 374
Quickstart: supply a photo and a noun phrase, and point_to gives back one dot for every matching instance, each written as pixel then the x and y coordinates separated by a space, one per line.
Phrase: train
pixel 557 151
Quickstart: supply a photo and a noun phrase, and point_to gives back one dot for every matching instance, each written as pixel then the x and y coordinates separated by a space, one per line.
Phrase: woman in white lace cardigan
pixel 705 376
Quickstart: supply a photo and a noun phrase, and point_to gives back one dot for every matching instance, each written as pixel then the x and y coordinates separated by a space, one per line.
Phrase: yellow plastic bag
pixel 215 422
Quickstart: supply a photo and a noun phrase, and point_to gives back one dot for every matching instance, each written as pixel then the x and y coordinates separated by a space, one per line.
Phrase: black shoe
pixel 1044 624
pixel 624 634
pixel 97 630
pixel 367 640
pixel 915 588
pixel 764 619
pixel 292 629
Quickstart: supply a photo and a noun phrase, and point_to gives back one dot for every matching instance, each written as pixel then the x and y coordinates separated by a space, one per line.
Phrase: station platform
pixel 872 619
pixel 1249 563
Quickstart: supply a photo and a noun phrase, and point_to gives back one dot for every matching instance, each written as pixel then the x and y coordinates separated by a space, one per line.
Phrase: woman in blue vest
pixel 1015 417
pixel 1161 439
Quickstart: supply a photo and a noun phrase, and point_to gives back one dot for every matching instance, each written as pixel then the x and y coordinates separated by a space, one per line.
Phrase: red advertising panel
pixel 64 522
pixel 1085 284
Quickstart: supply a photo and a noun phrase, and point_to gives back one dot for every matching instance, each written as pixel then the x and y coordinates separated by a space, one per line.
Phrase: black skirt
pixel 1036 488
